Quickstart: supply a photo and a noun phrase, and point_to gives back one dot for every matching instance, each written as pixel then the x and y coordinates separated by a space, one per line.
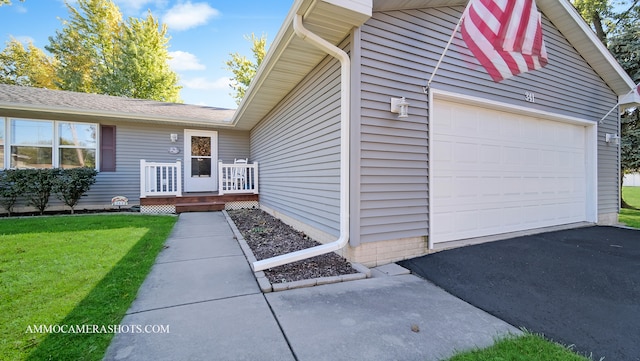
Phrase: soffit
pixel 290 58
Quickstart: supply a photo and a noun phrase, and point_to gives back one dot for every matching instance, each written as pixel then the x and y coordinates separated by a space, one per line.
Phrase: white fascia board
pixel 593 39
pixel 364 7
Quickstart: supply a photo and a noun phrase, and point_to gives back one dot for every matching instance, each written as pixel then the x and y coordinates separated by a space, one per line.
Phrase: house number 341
pixel 530 97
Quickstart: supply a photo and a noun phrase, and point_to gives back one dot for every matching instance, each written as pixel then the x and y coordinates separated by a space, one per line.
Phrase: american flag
pixel 505 36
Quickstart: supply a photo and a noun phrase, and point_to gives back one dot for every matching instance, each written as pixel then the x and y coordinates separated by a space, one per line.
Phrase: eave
pixel 289 59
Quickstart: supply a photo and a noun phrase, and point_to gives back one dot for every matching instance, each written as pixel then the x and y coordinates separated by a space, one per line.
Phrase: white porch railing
pixel 237 178
pixel 160 179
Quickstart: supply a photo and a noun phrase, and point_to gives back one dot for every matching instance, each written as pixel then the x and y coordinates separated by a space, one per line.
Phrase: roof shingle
pixel 19 98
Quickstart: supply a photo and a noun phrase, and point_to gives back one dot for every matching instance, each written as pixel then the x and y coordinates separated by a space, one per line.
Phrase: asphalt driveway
pixel 578 287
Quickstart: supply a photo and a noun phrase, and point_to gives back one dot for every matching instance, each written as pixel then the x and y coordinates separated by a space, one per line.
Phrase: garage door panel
pixel 495 172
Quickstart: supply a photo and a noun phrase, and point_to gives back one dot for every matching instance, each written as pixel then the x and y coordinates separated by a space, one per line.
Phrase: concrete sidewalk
pixel 202 287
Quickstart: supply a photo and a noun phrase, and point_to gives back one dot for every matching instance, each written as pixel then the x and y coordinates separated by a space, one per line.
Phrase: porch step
pixel 197 202
pixel 199 207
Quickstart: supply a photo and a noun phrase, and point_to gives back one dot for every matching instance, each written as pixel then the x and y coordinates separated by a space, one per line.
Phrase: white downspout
pixel 345 73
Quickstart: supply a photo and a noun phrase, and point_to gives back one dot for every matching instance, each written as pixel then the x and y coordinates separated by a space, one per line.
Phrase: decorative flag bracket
pixel 632 98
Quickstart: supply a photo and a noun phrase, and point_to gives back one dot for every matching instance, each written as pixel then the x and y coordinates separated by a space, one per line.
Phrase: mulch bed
pixel 267 237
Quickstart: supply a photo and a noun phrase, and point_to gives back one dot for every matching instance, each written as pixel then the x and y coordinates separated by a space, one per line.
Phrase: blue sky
pixel 203 33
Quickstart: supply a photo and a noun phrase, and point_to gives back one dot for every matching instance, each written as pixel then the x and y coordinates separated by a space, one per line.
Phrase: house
pixel 473 158
pixel 631 180
pixel 42 128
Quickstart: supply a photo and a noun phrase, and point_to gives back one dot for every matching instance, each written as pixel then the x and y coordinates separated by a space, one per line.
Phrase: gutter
pixel 345 124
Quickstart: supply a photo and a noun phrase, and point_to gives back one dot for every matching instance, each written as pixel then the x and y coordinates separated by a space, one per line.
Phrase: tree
pixel 620 32
pixel 27 67
pixel 244 69
pixel 86 46
pixel 625 47
pixel 143 70
pixel 598 14
pixel 98 52
pixel 6 2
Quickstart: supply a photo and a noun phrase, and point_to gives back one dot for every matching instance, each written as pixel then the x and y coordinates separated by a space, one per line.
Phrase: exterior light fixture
pixel 400 106
pixel 174 137
pixel 612 139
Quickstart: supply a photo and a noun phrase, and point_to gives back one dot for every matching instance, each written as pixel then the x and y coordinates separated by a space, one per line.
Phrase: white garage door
pixel 496 172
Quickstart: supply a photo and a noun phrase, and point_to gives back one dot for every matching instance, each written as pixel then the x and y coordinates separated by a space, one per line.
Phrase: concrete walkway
pixel 202 289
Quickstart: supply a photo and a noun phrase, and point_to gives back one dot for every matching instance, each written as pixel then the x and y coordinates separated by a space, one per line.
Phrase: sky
pixel 203 33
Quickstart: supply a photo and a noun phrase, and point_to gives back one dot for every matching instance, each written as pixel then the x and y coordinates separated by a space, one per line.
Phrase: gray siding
pixel 298 149
pixel 398 53
pixel 135 141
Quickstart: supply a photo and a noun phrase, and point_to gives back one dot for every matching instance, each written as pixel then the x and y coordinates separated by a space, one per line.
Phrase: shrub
pixel 38 185
pixel 71 184
pixel 10 189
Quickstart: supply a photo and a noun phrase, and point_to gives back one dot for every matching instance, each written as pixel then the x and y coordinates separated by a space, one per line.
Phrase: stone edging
pixel 266 286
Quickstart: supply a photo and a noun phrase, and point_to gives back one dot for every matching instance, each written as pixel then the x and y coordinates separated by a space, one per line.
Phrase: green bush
pixel 37 185
pixel 10 189
pixel 71 184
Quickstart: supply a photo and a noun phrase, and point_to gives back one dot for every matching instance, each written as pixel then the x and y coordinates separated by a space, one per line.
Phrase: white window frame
pixel 55 146
pixel 58 146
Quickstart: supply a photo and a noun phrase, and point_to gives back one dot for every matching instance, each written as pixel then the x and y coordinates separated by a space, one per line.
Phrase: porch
pixel 162 188
pixel 197 202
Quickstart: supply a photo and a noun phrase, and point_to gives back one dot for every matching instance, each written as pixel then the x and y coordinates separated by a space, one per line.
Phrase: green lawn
pixel 68 271
pixel 528 347
pixel 631 217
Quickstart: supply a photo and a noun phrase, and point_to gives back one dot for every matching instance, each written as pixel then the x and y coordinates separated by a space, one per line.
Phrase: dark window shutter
pixel 107 148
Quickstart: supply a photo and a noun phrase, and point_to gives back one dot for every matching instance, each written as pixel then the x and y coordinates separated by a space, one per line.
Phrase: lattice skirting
pixel 159 209
pixel 241 205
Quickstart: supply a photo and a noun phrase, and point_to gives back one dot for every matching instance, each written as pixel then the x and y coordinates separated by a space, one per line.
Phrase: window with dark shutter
pixel 107 148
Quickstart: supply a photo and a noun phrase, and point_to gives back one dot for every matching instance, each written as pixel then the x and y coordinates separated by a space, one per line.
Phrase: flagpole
pixel 453 35
pixel 609 112
pixel 618 103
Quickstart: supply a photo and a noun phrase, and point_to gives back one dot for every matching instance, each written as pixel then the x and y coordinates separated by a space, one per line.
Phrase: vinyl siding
pixel 135 141
pixel 298 148
pixel 398 53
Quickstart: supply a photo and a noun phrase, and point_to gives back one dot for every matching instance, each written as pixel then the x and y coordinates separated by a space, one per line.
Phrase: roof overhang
pixel 37 111
pixel 289 59
pixel 40 103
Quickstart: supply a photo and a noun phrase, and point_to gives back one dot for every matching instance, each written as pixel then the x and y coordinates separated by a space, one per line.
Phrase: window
pixel 1 143
pixel 77 145
pixel 47 144
pixel 31 143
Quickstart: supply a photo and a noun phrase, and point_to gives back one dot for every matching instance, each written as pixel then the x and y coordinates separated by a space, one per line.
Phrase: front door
pixel 200 155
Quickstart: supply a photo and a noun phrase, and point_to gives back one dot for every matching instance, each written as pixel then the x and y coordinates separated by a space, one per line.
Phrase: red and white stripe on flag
pixel 505 36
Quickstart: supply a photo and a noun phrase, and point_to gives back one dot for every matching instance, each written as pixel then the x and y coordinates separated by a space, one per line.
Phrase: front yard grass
pixel 631 217
pixel 71 271
pixel 529 347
